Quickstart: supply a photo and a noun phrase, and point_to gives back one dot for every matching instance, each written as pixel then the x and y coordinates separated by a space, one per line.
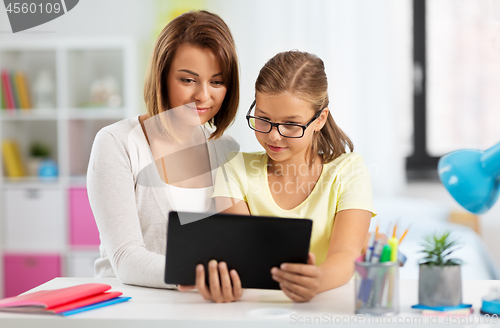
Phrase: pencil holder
pixel 377 288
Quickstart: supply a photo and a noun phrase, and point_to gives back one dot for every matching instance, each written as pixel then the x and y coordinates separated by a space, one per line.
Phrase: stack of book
pixel 14 91
pixel 12 159
pixel 63 301
pixel 461 309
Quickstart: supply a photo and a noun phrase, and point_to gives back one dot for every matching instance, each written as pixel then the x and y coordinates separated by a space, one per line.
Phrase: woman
pixel 139 166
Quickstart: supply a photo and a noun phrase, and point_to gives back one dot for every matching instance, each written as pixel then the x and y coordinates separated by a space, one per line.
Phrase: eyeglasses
pixel 287 130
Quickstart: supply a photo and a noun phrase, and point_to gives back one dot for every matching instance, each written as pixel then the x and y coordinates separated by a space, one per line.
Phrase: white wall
pixel 366 49
pixel 94 18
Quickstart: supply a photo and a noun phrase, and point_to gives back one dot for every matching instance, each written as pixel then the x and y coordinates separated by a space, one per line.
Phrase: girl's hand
pixel 230 290
pixel 300 282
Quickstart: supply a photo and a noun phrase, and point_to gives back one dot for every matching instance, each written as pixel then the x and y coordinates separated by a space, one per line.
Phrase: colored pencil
pixel 404 234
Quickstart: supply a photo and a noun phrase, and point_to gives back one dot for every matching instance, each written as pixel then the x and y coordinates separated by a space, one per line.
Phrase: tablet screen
pixel 251 245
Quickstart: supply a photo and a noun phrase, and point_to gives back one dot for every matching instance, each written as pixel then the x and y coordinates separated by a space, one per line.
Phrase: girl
pixel 139 165
pixel 305 172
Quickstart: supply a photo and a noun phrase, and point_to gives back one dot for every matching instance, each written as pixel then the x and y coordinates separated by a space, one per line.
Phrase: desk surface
pixel 162 308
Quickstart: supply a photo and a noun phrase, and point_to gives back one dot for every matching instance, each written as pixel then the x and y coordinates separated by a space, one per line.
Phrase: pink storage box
pixel 83 229
pixel 23 272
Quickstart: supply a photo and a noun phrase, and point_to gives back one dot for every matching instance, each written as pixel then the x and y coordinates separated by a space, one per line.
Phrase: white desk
pixel 164 308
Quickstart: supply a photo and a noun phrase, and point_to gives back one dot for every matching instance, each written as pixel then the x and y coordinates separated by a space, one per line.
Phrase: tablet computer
pixel 251 245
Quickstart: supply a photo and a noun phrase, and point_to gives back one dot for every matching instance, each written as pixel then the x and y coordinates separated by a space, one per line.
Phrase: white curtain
pixel 366 47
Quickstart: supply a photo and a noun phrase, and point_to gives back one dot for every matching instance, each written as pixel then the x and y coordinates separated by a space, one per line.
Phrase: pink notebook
pixel 58 300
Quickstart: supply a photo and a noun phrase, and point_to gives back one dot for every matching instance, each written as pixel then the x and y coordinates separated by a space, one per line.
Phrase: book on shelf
pixel 13 163
pixel 63 301
pixel 7 90
pixel 3 94
pixel 14 90
pixel 22 86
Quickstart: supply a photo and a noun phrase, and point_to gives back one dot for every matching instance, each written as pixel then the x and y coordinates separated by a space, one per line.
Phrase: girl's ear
pixel 321 121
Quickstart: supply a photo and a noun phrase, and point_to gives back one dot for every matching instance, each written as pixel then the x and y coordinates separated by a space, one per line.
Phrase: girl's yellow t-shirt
pixel 343 184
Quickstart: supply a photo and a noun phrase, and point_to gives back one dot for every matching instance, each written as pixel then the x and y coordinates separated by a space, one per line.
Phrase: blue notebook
pixel 441 308
pixel 97 305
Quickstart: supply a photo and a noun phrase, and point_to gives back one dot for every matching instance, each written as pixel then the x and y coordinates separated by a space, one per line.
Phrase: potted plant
pixel 38 152
pixel 440 280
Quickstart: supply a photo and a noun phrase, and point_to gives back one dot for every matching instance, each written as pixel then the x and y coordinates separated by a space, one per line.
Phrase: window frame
pixel 420 165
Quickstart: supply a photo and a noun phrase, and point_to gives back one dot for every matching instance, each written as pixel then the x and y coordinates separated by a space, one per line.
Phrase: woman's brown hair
pixel 303 75
pixel 206 30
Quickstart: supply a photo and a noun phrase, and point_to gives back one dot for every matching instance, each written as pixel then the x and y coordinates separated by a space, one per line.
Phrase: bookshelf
pixel 46 226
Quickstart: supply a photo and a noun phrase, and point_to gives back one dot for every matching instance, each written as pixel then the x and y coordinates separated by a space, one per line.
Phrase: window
pixel 456 58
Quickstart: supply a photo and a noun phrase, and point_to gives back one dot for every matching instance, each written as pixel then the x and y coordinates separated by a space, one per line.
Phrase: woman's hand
pixel 230 290
pixel 300 282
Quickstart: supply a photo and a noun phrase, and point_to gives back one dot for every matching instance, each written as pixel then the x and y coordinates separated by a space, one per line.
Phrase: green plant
pixel 438 248
pixel 38 149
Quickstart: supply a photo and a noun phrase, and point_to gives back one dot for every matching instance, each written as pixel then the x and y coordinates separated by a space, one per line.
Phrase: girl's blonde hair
pixel 206 30
pixel 303 75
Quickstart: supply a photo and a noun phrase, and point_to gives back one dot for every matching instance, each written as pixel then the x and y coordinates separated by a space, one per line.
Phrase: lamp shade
pixel 472 177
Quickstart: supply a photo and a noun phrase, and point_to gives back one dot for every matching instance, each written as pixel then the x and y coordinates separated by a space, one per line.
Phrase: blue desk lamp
pixel 472 177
